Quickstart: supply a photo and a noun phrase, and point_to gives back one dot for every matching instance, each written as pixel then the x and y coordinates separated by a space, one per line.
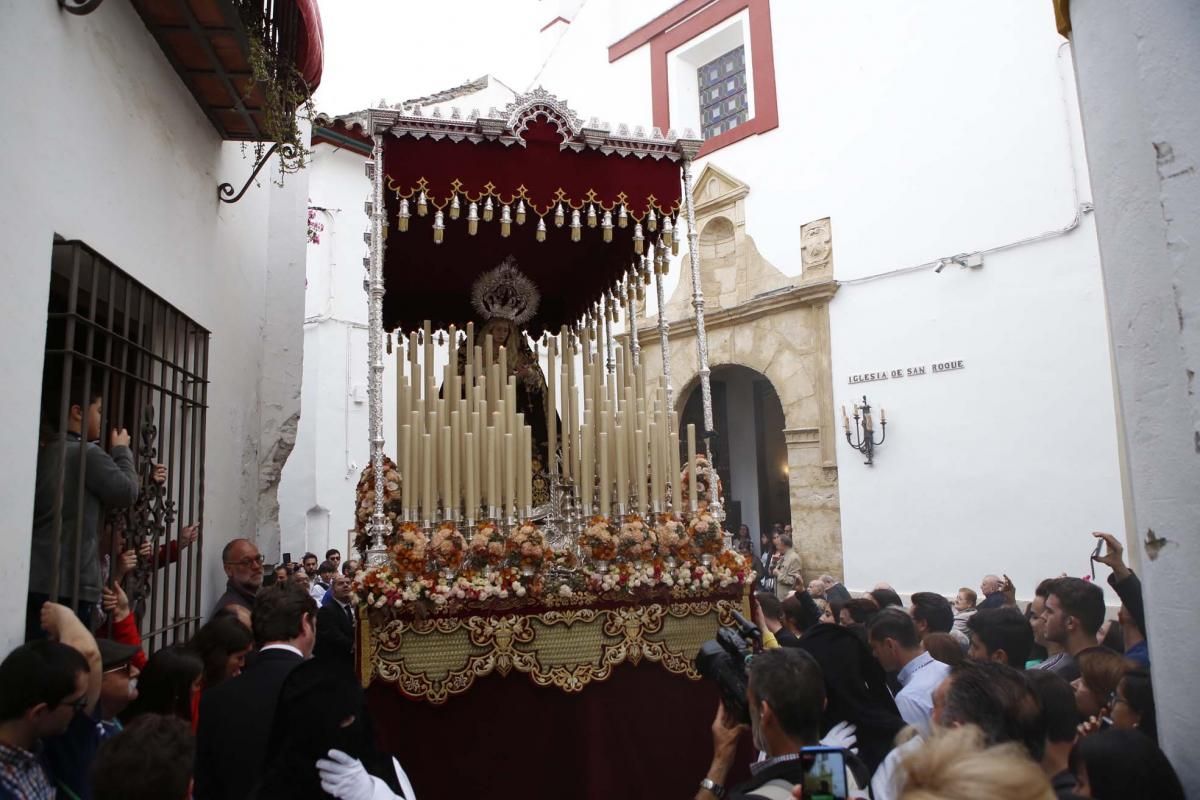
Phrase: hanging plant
pixel 286 98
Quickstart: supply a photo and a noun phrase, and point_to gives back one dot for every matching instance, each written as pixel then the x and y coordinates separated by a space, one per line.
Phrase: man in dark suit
pixel 236 716
pixel 336 623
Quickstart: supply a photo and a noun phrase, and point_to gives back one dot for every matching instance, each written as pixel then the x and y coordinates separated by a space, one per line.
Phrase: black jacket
pixel 1130 592
pixel 235 721
pixel 855 688
pixel 335 633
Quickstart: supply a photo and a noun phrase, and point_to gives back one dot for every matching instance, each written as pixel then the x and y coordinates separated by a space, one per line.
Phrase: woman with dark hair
pixel 222 645
pixel 1120 764
pixel 321 742
pixel 169 684
pixel 885 597
pixel 1132 705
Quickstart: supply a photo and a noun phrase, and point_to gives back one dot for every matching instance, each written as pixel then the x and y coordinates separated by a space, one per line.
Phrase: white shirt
pixel 287 647
pixel 888 781
pixel 919 678
pixel 317 591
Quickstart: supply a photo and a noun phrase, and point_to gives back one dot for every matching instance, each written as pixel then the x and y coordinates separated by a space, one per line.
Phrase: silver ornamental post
pixel 714 505
pixel 664 333
pixel 379 524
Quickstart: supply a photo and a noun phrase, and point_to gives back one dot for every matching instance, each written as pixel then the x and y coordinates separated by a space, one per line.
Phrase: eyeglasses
pixel 248 561
pixel 1113 699
pixel 123 668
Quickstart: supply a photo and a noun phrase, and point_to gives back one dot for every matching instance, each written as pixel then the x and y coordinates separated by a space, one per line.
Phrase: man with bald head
pixel 244 569
pixel 991 587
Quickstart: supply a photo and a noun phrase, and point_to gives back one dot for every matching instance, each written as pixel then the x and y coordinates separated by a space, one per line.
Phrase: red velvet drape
pixel 643 733
pixel 429 281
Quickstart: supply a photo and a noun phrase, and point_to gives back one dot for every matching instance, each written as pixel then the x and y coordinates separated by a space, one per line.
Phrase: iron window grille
pixel 722 85
pixel 149 362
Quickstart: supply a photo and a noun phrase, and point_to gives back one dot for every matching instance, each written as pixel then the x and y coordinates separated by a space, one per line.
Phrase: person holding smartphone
pixel 786 694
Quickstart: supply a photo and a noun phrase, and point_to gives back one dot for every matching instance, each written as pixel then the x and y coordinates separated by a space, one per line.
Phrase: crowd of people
pixel 940 698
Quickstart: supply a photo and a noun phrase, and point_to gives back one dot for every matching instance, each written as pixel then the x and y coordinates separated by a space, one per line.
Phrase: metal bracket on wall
pixel 225 190
pixel 79 7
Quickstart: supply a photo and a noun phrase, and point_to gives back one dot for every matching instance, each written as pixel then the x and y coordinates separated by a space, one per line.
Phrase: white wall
pixel 1138 66
pixel 927 130
pixel 107 146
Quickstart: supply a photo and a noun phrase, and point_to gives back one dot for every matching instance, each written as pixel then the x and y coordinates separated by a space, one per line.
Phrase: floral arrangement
pixel 382 587
pixel 365 502
pixel 487 543
pixel 409 549
pixel 528 548
pixel 598 539
pixel 635 539
pixel 705 533
pixel 447 547
pixel 703 495
pixel 671 538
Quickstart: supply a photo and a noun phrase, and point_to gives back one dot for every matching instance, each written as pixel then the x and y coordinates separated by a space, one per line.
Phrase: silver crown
pixel 506 293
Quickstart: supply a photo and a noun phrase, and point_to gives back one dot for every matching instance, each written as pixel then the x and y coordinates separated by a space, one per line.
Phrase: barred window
pixel 722 86
pixel 119 356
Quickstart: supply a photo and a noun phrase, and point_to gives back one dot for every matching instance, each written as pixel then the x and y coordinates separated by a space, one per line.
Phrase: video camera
pixel 724 661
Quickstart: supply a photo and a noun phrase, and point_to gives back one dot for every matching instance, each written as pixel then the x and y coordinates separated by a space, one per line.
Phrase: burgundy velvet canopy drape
pixel 427 280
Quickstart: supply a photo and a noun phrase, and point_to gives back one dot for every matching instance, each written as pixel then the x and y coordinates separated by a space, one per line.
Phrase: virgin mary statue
pixel 505 299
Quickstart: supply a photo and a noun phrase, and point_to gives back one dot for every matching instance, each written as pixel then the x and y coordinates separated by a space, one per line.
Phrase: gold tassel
pixel 559 218
pixel 389 343
pixel 651 221
pixel 505 220
pixel 668 230
pixel 488 211
pixel 472 219
pixel 422 206
pixel 606 226
pixel 591 216
pixel 520 212
pixel 638 241
pixel 541 230
pixel 439 227
pixel 674 248
pixel 402 220
pixel 622 217
pixel 576 227
pixel 454 207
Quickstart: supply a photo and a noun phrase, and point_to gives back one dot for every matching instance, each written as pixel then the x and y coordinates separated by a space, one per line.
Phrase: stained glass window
pixel 722 87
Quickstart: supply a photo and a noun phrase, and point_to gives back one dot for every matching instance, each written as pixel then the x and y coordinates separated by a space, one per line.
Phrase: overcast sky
pixel 398 49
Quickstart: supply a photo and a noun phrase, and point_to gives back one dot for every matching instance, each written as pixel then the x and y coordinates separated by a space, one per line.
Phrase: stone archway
pixel 751 452
pixel 759 319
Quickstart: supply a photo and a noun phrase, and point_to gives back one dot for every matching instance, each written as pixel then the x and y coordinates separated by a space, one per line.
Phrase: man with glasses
pixel 244 569
pixel 46 684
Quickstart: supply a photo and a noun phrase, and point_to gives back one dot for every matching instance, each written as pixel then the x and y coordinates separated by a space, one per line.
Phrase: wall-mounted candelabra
pixel 863 438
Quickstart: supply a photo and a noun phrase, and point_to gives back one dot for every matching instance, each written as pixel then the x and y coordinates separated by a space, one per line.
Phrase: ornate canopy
pixel 573 203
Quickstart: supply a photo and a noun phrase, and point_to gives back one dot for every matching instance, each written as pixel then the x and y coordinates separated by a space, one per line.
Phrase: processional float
pixel 496 240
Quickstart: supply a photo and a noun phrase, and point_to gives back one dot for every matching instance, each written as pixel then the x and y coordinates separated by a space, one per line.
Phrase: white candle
pixel 622 471
pixel 493 466
pixel 639 469
pixel 427 331
pixel 655 471
pixel 406 471
pixel 503 363
pixel 456 470
pixel 447 476
pixel 510 472
pixel 453 364
pixel 676 488
pixel 691 451
pixel 527 473
pixel 605 483
pixel 427 477
pixel 585 488
pixel 469 471
pixel 470 345
pixel 414 374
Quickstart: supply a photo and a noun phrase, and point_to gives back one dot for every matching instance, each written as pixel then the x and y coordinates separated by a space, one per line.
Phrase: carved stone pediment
pixel 716 188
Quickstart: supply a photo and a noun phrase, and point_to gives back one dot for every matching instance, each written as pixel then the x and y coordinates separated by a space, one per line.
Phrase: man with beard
pixel 786 695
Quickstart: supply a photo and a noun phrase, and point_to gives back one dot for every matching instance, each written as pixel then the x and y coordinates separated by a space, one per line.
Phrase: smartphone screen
pixel 824 773
pixel 287 558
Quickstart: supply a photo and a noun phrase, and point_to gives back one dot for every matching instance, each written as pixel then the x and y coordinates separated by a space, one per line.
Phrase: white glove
pixel 345 777
pixel 841 735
